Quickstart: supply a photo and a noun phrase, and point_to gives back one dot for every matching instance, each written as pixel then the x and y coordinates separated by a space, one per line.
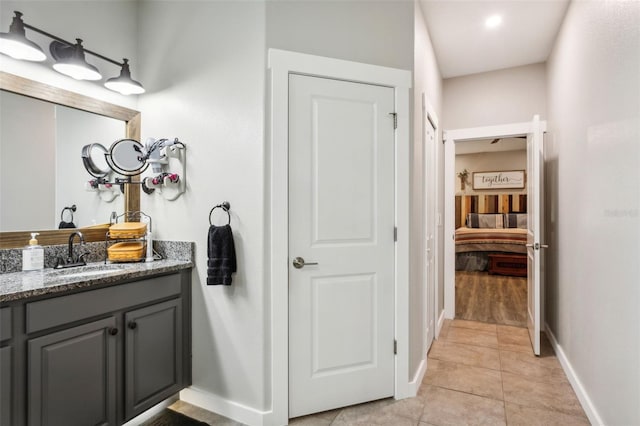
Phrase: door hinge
pixel 395 347
pixel 395 119
pixel 395 233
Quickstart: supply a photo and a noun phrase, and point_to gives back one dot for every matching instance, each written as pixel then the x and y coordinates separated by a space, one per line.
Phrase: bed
pixel 480 234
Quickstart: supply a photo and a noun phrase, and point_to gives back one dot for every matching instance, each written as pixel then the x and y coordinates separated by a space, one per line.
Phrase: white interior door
pixel 534 233
pixel 341 231
pixel 429 229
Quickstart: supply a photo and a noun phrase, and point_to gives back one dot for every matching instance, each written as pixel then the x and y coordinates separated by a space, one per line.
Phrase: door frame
pixel 450 138
pixel 281 63
pixel 430 214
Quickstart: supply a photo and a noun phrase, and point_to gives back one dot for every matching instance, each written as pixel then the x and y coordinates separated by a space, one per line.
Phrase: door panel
pixel 350 156
pixel 340 346
pixel 534 233
pixel 429 229
pixel 152 355
pixel 72 376
pixel 341 210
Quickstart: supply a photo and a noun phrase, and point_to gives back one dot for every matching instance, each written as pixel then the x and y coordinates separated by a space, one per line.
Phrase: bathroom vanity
pixel 95 345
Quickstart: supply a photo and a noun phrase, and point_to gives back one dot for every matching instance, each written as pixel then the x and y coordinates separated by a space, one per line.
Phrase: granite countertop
pixel 23 285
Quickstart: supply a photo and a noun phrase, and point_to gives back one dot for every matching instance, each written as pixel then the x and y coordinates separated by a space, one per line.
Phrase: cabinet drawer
pixel 75 307
pixel 6 326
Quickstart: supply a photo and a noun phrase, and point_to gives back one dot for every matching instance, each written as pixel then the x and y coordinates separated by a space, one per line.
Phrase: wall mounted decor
pixel 508 179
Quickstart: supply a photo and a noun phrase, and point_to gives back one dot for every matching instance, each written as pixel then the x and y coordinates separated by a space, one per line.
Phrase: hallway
pixel 478 373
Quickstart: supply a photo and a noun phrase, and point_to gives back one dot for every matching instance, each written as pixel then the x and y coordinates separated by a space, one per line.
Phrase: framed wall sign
pixel 511 179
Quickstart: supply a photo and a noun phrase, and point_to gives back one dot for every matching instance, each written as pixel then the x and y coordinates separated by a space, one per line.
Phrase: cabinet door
pixel 153 355
pixel 6 381
pixel 72 376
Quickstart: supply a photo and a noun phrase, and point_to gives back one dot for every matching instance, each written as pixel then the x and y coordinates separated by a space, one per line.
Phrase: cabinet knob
pixel 113 331
pixel 132 325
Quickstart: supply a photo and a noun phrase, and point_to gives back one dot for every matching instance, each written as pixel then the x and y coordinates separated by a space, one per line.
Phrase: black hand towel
pixel 222 255
pixel 64 225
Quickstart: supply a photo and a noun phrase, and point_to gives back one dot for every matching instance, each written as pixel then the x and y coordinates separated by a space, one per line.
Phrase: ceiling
pixel 484 145
pixel 463 45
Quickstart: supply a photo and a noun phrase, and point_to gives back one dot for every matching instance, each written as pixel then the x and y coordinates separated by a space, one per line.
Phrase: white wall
pixel 497 97
pixel 593 214
pixel 427 81
pixel 205 84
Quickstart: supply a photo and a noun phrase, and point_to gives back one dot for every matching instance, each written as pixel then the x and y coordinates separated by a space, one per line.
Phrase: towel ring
pixel 224 206
pixel 71 209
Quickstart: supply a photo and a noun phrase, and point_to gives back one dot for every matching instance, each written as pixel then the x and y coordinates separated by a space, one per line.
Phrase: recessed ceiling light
pixel 493 21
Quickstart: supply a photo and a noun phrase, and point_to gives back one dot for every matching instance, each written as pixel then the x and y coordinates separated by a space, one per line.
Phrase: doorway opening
pixel 491 230
pixel 482 179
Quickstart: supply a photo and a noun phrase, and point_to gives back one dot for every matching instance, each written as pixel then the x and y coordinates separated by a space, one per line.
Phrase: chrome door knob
pixel 299 263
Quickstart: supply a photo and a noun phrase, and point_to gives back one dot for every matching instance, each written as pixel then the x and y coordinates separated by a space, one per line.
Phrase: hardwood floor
pixel 494 299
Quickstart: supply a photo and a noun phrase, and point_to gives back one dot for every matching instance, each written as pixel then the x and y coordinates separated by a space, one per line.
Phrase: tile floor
pixel 477 373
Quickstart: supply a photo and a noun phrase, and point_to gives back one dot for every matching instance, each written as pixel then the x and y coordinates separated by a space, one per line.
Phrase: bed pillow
pixel 485 220
pixel 515 220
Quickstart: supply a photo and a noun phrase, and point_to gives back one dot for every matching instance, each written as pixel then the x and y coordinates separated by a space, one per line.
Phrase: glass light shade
pixel 78 71
pixel 124 84
pixel 17 45
pixel 70 61
pixel 125 88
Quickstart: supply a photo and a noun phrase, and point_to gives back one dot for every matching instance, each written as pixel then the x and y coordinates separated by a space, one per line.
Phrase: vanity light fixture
pixel 70 57
pixel 70 61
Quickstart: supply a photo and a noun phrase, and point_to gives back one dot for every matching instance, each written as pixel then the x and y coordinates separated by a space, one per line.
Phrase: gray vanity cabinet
pixel 153 360
pixel 95 357
pixel 6 379
pixel 72 376
pixel 6 366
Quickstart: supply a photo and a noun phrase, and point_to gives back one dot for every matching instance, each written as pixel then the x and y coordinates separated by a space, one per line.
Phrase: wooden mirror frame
pixel 33 89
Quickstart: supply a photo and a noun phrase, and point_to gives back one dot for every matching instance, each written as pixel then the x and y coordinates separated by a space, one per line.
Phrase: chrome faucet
pixel 71 259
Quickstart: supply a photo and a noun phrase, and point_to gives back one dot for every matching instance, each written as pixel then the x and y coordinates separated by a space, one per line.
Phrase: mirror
pixel 41 165
pixel 125 156
pixel 75 105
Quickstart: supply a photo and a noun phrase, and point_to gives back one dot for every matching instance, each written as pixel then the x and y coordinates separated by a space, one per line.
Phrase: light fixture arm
pixel 68 43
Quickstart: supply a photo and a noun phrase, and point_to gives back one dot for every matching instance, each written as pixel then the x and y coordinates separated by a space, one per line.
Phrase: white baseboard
pixel 224 407
pixel 576 384
pixel 440 324
pixel 414 385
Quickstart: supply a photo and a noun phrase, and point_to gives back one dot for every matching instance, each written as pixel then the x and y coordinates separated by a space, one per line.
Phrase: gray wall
pixel 593 203
pixel 374 32
pixel 427 80
pixel 205 84
pixel 497 97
